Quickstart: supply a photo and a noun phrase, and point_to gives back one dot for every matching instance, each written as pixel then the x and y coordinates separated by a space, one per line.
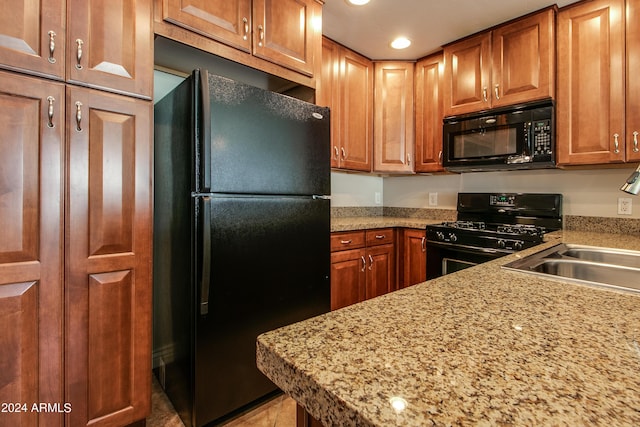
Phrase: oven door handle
pixel 457 246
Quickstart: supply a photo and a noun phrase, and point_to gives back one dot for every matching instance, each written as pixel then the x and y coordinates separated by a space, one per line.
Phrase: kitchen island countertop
pixel 370 222
pixel 482 346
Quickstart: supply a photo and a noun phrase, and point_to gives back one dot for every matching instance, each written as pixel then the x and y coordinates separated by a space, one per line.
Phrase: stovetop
pixel 503 222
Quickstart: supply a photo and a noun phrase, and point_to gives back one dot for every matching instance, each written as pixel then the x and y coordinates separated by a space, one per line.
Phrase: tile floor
pixel 277 412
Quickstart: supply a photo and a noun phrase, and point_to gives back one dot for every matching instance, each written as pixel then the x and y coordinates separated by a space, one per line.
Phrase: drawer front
pixel 380 236
pixel 347 240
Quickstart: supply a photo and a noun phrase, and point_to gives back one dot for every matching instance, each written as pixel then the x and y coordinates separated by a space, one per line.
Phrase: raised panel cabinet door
pixel 328 93
pixel 393 131
pixel 523 63
pixel 414 257
pixel 381 270
pixel 227 21
pixel 348 276
pixel 284 32
pixel 356 111
pixel 32 36
pixel 429 114
pixel 633 82
pixel 467 75
pixel 110 45
pixel 590 104
pixel 31 247
pixel 108 257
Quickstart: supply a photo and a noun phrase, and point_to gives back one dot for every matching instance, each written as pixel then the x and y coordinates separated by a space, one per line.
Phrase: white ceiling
pixel 429 24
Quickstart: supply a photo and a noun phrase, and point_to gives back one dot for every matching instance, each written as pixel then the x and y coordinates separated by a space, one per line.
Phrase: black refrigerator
pixel 241 236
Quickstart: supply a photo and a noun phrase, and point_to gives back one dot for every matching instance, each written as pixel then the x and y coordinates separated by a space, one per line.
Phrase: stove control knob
pixel 453 237
pixel 517 245
pixel 502 244
pixel 440 235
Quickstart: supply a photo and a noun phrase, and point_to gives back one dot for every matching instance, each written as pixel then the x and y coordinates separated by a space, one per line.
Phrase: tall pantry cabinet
pixel 75 211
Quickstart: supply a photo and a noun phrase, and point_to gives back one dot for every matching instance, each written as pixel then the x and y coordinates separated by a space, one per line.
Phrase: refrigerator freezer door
pixel 260 142
pixel 269 266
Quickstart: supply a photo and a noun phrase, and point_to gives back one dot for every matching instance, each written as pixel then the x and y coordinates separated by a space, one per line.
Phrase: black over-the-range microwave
pixel 516 137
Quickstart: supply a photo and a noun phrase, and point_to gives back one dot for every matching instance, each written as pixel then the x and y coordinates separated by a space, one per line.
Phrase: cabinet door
pixel 32 36
pixel 633 82
pixel 348 275
pixel 283 32
pixel 356 103
pixel 523 63
pixel 108 258
pixel 381 270
pixel 429 114
pixel 110 45
pixel 590 112
pixel 328 92
pixel 31 215
pixel 393 136
pixel 467 75
pixel 414 257
pixel 227 21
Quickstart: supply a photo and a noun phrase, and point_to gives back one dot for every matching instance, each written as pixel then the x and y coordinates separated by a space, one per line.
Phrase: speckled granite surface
pixel 369 222
pixel 483 346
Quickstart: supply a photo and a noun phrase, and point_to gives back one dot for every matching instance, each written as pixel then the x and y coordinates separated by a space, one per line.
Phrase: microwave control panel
pixel 542 138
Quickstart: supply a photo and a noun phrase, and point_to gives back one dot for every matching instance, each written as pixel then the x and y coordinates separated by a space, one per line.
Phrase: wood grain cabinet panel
pixel 32 36
pixel 110 45
pixel 591 76
pixel 513 63
pixel 413 257
pixel 108 234
pixel 393 133
pixel 632 137
pixel 346 86
pixel 31 254
pixel 429 114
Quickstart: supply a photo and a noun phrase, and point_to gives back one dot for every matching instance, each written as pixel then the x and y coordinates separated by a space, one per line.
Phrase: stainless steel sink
pixel 607 267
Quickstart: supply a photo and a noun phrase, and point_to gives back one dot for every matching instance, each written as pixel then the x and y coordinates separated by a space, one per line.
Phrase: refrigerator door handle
pixel 206 257
pixel 320 197
pixel 205 129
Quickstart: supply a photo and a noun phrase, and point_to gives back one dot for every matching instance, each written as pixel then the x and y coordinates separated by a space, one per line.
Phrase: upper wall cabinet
pixel 393 131
pixel 346 86
pixel 594 125
pixel 286 33
pixel 428 112
pixel 513 63
pixel 105 45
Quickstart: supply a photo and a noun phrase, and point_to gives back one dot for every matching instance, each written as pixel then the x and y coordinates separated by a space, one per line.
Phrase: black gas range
pixel 488 226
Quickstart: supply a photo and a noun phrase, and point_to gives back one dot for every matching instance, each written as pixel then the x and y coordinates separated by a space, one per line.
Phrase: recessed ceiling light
pixel 401 43
pixel 357 2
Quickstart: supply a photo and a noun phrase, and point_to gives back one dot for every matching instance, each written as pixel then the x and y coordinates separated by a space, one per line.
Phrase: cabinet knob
pixel 496 90
pixel 370 263
pixel 616 143
pixel 79 116
pixel 364 263
pixel 635 142
pixel 484 94
pixel 260 35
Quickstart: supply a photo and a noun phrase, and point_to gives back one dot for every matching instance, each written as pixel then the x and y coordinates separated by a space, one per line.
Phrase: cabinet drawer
pixel 380 236
pixel 347 240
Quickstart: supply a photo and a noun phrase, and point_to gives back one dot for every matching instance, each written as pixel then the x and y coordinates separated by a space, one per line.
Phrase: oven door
pixel 445 258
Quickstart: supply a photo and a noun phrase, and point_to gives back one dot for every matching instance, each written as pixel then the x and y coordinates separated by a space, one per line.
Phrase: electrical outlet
pixel 378 198
pixel 433 199
pixel 625 206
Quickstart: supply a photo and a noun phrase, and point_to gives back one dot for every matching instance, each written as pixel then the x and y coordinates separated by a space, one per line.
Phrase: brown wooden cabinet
pixel 108 258
pixel 99 44
pixel 513 63
pixel 413 257
pixel 347 88
pixel 429 114
pixel 362 265
pixel 393 133
pixel 286 33
pixel 595 126
pixel 31 248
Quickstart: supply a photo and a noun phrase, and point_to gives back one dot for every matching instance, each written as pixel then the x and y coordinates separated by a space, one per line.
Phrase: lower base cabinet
pixel 413 258
pixel 363 265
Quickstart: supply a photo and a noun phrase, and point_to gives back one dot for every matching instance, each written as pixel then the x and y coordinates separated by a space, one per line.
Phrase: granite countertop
pixel 483 346
pixel 369 222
